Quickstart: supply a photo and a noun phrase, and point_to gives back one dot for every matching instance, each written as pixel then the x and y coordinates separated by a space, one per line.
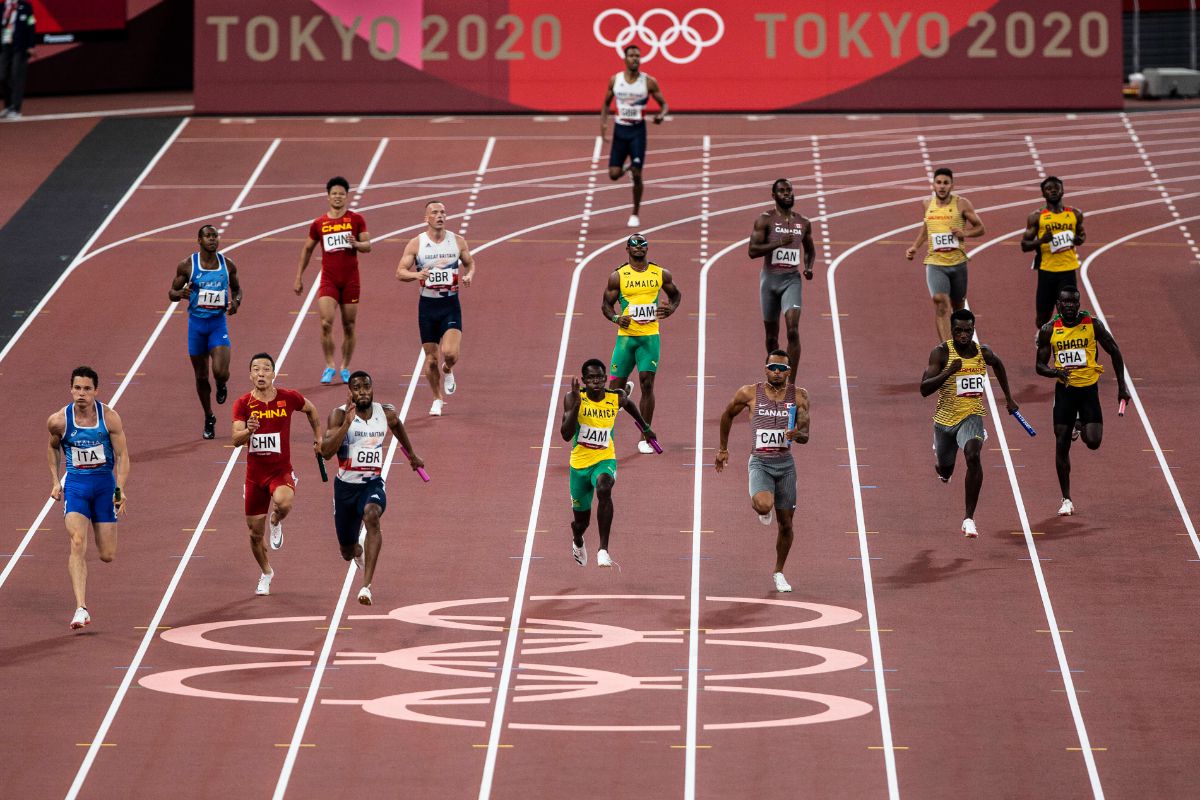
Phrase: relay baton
pixel 420 470
pixel 1024 422
pixel 791 420
pixel 1121 408
pixel 654 445
pixel 321 466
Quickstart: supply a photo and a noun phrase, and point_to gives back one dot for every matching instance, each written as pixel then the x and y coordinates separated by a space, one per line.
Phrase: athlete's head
pixel 594 374
pixel 362 391
pixel 338 188
pixel 778 367
pixel 84 381
pixel 209 238
pixel 943 182
pixel 781 190
pixel 637 246
pixel 1068 303
pixel 262 370
pixel 435 214
pixel 962 326
pixel 633 57
pixel 1052 189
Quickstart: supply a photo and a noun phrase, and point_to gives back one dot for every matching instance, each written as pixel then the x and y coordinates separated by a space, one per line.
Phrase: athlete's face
pixel 633 59
pixel 1068 306
pixel 435 216
pixel 1053 192
pixel 942 185
pixel 83 391
pixel 962 331
pixel 775 375
pixel 337 198
pixel 637 249
pixel 209 239
pixel 783 195
pixel 262 374
pixel 593 380
pixel 362 392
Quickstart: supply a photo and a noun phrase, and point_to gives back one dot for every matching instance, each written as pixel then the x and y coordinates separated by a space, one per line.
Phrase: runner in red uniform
pixel 262 419
pixel 342 235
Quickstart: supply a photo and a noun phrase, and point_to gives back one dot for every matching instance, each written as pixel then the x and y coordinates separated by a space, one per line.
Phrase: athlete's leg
pixel 349 337
pixel 783 542
pixel 646 400
pixel 941 315
pixel 450 346
pixel 203 387
pixel 1062 458
pixel 1093 433
pixel 604 507
pixel 282 499
pixel 327 310
pixel 258 529
pixel 374 542
pixel 615 173
pixel 791 320
pixel 771 327
pixel 636 172
pixel 77 530
pixel 974 475
pixel 579 523
pixel 433 373
pixel 220 366
pixel 763 501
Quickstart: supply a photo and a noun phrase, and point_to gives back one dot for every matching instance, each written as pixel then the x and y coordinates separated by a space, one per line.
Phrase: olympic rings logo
pixel 660 42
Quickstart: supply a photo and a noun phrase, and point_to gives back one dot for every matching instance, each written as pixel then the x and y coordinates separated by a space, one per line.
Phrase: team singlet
pixel 1074 349
pixel 962 393
pixel 339 259
pixel 439 261
pixel 210 288
pixel 360 456
pixel 944 248
pixel 784 259
pixel 89 450
pixel 593 441
pixel 639 298
pixel 270 446
pixel 631 98
pixel 770 423
pixel 1057 255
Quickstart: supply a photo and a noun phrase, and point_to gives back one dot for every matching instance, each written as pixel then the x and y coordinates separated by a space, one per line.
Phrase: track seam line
pixel 588 198
pixel 254 176
pixel 1137 142
pixel 473 197
pixel 1037 158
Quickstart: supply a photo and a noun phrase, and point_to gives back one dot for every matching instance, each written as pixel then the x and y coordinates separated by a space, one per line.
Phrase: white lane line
pixel 111 112
pixel 925 159
pixel 478 184
pixel 254 176
pixel 585 219
pixel 370 173
pixel 705 183
pixel 1037 158
pixel 822 211
pixel 1183 228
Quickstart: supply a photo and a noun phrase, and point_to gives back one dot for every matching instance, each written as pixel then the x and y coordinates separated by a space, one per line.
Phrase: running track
pixel 1049 658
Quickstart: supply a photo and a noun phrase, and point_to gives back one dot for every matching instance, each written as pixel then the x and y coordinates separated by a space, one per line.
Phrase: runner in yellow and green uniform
pixel 589 416
pixel 1052 233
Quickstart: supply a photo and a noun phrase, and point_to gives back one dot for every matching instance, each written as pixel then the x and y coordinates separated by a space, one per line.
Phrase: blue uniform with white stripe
pixel 207 327
pixel 89 483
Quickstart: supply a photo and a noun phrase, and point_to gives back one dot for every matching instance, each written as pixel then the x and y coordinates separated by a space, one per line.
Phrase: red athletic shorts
pixel 345 292
pixel 257 492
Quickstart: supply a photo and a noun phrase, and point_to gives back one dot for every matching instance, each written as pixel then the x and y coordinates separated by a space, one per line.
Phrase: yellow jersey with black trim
pixel 1074 349
pixel 639 298
pixel 962 393
pixel 1058 254
pixel 594 439
pixel 945 250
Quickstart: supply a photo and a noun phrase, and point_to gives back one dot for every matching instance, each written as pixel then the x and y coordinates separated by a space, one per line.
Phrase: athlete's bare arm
pixel 1080 236
pixel 656 93
pixel 401 434
pixel 993 361
pixel 570 419
pixel 57 425
pixel 612 293
pixel 1044 366
pixel 608 98
pixel 922 234
pixel 810 251
pixel 116 433
pixel 362 243
pixel 799 434
pixel 937 370
pixel 630 408
pixel 181 286
pixel 336 429
pixel 405 270
pixel 1105 340
pixel 310 411
pixel 759 246
pixel 742 400
pixel 467 260
pixel 974 227
pixel 306 252
pixel 235 289
pixel 1030 241
pixel 673 294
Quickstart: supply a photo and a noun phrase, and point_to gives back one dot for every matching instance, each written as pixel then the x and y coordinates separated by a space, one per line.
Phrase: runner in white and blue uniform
pixel 631 89
pixel 356 433
pixel 92 437
pixel 209 282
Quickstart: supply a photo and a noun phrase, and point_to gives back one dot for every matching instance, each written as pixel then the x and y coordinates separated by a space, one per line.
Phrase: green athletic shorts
pixel 583 482
pixel 630 350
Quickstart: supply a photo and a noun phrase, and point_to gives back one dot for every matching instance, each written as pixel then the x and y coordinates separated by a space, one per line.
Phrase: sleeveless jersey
pixel 631 98
pixel 439 262
pixel 360 456
pixel 270 450
pixel 89 450
pixel 1074 349
pixel 339 259
pixel 211 288
pixel 770 422
pixel 944 248
pixel 1057 255
pixel 962 393
pixel 639 298
pixel 784 259
pixel 593 441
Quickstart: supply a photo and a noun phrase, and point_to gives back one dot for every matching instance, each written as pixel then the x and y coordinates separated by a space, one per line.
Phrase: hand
pixel 958 233
pixel 1011 405
pixel 415 462
pixel 624 321
pixel 232 307
pixel 603 132
pixel 185 290
pixel 808 273
pixel 658 119
pixel 954 366
pixel 573 398
pixel 787 239
pixel 648 434
pixel 252 424
pixel 465 280
pixel 662 312
pixel 1046 237
pixel 56 493
pixel 1123 393
pixel 317 446
pixel 910 252
pixel 721 460
pixel 119 500
pixel 298 286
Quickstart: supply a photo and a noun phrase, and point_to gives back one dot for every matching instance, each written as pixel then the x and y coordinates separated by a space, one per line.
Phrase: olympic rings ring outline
pixel 660 43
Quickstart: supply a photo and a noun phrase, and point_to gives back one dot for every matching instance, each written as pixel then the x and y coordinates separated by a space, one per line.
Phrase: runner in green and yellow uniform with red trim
pixel 1052 234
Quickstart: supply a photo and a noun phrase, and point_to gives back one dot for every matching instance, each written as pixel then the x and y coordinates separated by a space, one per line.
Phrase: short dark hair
pixel 336 180
pixel 267 356
pixel 949 173
pixel 85 372
pixel 428 203
pixel 629 47
pixel 963 314
pixel 778 352
pixel 1050 179
pixel 778 181
pixel 358 373
pixel 1069 287
pixel 592 362
pixel 200 232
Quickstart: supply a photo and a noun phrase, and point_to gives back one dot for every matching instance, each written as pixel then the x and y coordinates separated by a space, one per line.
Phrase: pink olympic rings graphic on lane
pixel 639 30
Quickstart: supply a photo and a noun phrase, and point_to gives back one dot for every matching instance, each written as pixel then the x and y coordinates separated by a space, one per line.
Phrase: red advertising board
pixel 429 56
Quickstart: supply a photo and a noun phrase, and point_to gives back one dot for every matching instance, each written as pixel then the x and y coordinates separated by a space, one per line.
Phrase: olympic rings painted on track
pixel 659 42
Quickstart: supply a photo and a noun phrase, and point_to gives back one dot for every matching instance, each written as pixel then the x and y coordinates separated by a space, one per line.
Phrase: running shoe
pixel 448 382
pixel 210 427
pixel 644 447
pixel 276 534
pixel 603 559
pixel 345 376
pixel 435 410
pixel 264 583
pixel 1067 508
pixel 767 518
pixel 629 388
pixel 579 553
pixel 781 584
pixel 360 562
pixel 81 619
pixel 222 393
pixel 328 375
pixel 942 478
pixel 364 596
pixel 633 221
pixel 968 529
pixel 1078 430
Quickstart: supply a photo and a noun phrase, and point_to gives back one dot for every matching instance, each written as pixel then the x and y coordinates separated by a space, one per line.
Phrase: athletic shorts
pixel 206 334
pixel 344 291
pixel 1077 402
pixel 436 315
pixel 583 482
pixel 1049 284
pixel 630 351
pixel 947 280
pixel 949 439
pixel 776 476
pixel 779 293
pixel 90 495
pixel 257 491
pixel 350 501
pixel 628 141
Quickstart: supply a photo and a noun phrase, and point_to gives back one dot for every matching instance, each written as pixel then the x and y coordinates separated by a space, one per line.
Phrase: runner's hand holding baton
pixel 420 470
pixel 1019 417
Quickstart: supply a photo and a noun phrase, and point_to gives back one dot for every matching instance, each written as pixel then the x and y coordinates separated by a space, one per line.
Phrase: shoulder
pixel 1045 331
pixel 746 393
pixel 357 219
pixel 111 418
pixel 57 422
pixel 292 396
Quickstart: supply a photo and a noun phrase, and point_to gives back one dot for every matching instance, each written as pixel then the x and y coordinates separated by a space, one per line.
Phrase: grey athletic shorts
pixel 949 439
pixel 777 477
pixel 947 280
pixel 780 292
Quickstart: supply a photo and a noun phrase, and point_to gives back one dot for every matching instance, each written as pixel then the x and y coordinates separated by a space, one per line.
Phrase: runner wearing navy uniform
pixel 630 88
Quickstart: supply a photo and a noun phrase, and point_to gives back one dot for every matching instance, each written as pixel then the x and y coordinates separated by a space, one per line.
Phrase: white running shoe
pixel 448 382
pixel 364 596
pixel 603 559
pixel 968 528
pixel 579 553
pixel 644 447
pixel 1066 509
pixel 781 584
pixel 264 583
pixel 276 540
pixel 360 560
pixel 82 618
pixel 767 518
pixel 435 410
pixel 633 221
pixel 629 388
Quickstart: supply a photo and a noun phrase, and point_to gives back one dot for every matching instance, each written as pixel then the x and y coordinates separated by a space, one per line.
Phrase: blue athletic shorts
pixel 628 141
pixel 350 500
pixel 90 495
pixel 207 333
pixel 436 315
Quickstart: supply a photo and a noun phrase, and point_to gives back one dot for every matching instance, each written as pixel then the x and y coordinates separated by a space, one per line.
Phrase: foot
pixel 276 540
pixel 435 410
pixel 629 388
pixel 1078 430
pixel 941 477
pixel 359 562
pixel 364 596
pixel 345 376
pixel 579 553
pixel 222 393
pixel 968 529
pixel 603 559
pixel 328 375
pixel 448 382
pixel 633 221
pixel 1067 508
pixel 644 447
pixel 210 427
pixel 781 584
pixel 767 518
pixel 81 619
pixel 264 583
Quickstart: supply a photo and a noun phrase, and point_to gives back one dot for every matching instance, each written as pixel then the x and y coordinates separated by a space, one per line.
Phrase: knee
pixel 941 302
pixel 614 173
pixel 604 487
pixel 347 552
pixel 762 502
pixel 348 326
pixel 326 326
pixel 371 516
pixel 1092 444
pixel 107 554
pixel 283 506
pixel 449 358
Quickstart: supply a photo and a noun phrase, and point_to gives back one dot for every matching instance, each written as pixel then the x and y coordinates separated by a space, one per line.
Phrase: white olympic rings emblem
pixel 660 41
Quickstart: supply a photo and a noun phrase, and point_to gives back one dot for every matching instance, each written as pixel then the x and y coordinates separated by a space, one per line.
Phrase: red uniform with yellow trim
pixel 269 452
pixel 339 259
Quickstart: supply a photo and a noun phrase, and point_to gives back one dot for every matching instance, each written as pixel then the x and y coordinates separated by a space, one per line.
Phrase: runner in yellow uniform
pixel 1052 233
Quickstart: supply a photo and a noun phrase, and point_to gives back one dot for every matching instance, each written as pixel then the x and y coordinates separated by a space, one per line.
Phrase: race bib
pixel 944 242
pixel 593 438
pixel 264 443
pixel 88 457
pixel 439 278
pixel 629 113
pixel 1074 357
pixel 770 439
pixel 338 241
pixel 785 257
pixel 643 312
pixel 1063 240
pixel 366 458
pixel 968 385
pixel 210 298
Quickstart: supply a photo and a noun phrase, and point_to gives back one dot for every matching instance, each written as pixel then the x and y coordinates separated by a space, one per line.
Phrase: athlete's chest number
pixel 968 385
pixel 594 438
pixel 1063 240
pixel 338 241
pixel 1072 357
pixel 630 113
pixel 785 257
pixel 365 457
pixel 211 298
pixel 943 242
pixel 770 439
pixel 643 312
pixel 264 443
pixel 88 457
pixel 439 278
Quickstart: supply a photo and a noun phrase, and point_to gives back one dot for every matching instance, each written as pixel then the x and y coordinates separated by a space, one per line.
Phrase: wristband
pixel 616 318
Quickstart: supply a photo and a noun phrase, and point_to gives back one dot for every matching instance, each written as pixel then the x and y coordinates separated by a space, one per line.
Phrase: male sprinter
pixel 93 437
pixel 1052 234
pixel 956 370
pixel 342 235
pixel 356 432
pixel 1067 352
pixel 630 88
pixel 209 282
pixel 771 467
pixel 262 418
pixel 636 285
pixel 587 423
pixel 776 233
pixel 949 220
pixel 435 259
